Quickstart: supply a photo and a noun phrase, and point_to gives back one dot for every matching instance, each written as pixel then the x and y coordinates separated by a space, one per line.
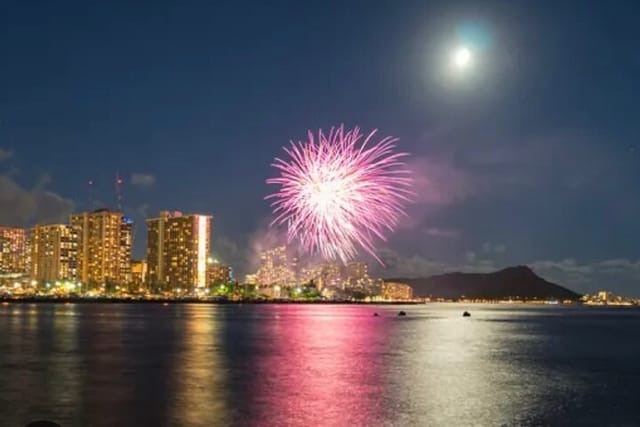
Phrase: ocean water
pixel 318 365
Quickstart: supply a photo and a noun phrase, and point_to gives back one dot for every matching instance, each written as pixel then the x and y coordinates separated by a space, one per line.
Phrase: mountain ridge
pixel 517 282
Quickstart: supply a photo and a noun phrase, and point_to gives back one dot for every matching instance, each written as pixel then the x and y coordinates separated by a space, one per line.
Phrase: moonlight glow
pixel 462 58
pixel 340 191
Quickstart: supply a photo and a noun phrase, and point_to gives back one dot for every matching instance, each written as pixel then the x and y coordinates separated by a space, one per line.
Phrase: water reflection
pixel 319 364
pixel 198 378
pixel 39 362
pixel 476 371
pixel 61 360
pixel 107 391
pixel 202 365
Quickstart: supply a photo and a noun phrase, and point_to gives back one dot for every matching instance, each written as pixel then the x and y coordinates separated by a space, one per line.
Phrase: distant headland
pixel 518 283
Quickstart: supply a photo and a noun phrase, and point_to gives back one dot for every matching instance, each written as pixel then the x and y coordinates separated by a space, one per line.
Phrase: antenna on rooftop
pixel 119 183
pixel 90 193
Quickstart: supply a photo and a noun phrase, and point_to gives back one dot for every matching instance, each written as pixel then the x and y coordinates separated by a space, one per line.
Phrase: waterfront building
pixel 395 291
pixel 276 268
pixel 104 247
pixel 138 274
pixel 312 274
pixel 177 250
pixel 331 275
pixel 356 270
pixel 356 276
pixel 218 273
pixel 271 291
pixel 14 252
pixel 54 253
pixel 606 298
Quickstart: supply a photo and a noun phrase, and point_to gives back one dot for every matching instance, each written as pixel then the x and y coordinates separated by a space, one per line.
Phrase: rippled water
pixel 311 365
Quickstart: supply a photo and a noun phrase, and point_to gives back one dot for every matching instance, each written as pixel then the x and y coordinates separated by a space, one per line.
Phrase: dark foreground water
pixel 312 365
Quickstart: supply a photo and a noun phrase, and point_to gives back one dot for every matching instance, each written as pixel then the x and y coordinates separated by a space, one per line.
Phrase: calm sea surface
pixel 318 365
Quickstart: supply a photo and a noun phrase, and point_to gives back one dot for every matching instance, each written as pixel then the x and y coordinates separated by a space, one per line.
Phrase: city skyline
pixel 178 249
pixel 529 156
pixel 311 261
pixel 90 257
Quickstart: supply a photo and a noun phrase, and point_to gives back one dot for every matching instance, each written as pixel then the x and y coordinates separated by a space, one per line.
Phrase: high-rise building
pixel 311 274
pixel 357 277
pixel 218 273
pixel 177 250
pixel 331 275
pixel 356 271
pixel 14 251
pixel 104 246
pixel 54 253
pixel 139 273
pixel 276 268
pixel 395 291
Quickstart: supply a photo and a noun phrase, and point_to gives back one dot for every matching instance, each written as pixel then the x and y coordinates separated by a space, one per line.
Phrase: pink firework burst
pixel 340 192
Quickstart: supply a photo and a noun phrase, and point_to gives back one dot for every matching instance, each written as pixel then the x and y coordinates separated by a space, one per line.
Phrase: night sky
pixel 532 157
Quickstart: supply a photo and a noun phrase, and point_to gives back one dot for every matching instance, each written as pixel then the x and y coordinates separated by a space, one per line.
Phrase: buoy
pixel 402 313
pixel 466 314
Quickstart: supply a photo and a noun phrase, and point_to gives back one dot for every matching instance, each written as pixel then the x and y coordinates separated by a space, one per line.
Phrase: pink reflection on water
pixel 322 364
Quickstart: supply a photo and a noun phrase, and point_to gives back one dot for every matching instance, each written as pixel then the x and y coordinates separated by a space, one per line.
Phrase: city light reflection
pixel 198 379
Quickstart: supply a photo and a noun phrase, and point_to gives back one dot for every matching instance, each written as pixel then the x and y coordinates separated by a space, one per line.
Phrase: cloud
pixel 227 252
pixel 567 266
pixel 44 180
pixel 23 207
pixel 5 154
pixel 142 179
pixel 617 274
pixel 616 266
pixel 449 169
pixel 454 171
pixel 447 233
pixel 437 181
pixel 143 210
pixel 412 266
pixel 491 248
pixel 397 265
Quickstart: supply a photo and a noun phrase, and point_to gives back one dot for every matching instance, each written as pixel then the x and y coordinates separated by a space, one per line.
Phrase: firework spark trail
pixel 339 192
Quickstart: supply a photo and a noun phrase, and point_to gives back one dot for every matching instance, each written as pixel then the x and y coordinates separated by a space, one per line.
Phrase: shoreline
pixel 189 301
pixel 166 301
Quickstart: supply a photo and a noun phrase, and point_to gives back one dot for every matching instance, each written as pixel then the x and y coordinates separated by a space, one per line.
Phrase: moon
pixel 462 58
